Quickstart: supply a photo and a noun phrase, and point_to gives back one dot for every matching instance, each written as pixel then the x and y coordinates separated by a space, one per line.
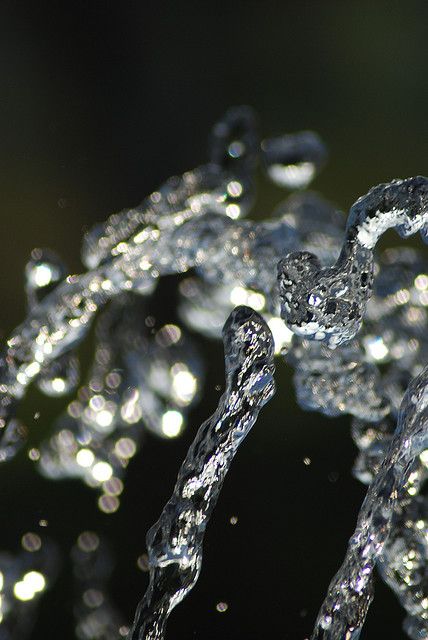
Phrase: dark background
pixel 99 103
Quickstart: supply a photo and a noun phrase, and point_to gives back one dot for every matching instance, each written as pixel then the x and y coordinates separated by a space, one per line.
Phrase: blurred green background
pixel 99 103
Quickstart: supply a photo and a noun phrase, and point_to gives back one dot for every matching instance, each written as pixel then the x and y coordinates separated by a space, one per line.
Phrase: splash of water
pixel 350 593
pixel 191 222
pixel 329 303
pixel 153 377
pixel 129 252
pixel 174 543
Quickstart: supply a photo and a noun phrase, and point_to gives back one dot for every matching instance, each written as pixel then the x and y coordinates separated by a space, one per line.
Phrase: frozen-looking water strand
pixel 174 543
pixel 329 303
pixel 350 593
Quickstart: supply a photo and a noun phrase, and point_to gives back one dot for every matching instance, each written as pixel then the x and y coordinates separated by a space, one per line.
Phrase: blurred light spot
pixel 421 282
pixel 168 335
pixel 233 211
pixel 102 471
pixel 184 386
pixel 172 421
pixel 93 598
pixel 123 631
pixel 88 541
pixel 41 275
pixel 375 347
pixel 35 580
pixel 97 403
pixel 31 542
pixel 236 149
pixel 104 418
pixel 113 487
pixel 23 591
pixel 85 458
pixel 32 370
pixel 125 448
pixel 402 296
pixel 74 409
pixel 234 189
pixel 143 562
pixel 423 298
pixel 108 504
pixel 58 385
pixel 113 380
